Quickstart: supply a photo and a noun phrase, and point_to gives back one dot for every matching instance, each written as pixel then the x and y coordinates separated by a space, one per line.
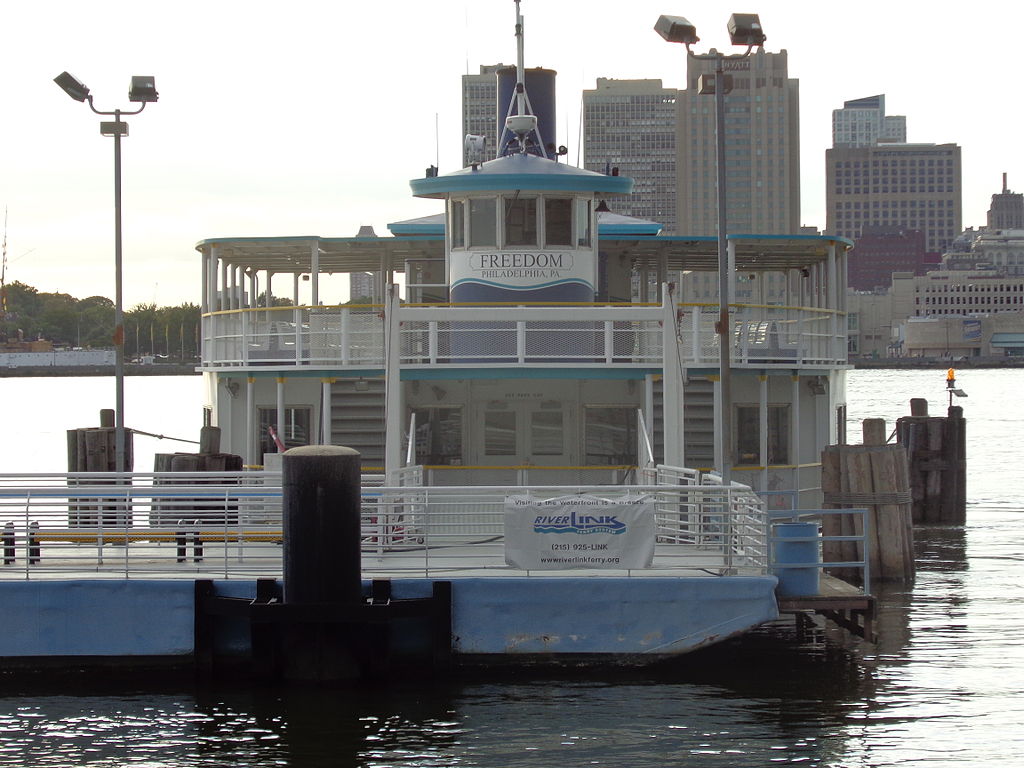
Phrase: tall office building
pixel 480 108
pixel 863 123
pixel 1007 209
pixel 912 186
pixel 762 136
pixel 875 178
pixel 630 125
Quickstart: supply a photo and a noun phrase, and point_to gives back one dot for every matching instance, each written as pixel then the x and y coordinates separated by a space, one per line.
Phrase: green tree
pixel 67 321
pixel 95 322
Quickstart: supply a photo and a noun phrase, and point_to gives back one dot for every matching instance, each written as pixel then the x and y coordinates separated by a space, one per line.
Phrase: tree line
pixel 27 314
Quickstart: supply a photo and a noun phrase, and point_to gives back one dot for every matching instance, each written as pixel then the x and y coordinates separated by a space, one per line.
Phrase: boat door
pixel 513 432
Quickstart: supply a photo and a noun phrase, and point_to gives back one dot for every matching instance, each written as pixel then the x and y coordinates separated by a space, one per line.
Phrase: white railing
pixel 336 335
pixel 531 334
pixel 621 335
pixel 159 525
pixel 763 335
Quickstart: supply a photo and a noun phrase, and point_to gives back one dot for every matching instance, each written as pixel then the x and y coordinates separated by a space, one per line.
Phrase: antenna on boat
pixel 520 122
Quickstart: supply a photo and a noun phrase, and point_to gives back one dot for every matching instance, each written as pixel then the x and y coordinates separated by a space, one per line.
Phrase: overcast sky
pixel 310 118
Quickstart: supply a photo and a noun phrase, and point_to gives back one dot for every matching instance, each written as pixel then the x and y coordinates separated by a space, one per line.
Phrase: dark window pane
pixel 558 221
pixel 482 222
pixel 521 221
pixel 438 436
pixel 610 435
pixel 294 432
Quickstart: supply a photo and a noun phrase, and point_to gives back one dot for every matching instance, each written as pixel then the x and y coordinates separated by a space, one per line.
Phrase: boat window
pixel 582 222
pixel 294 432
pixel 520 220
pixel 610 433
pixel 546 435
pixel 748 434
pixel 457 223
pixel 482 222
pixel 438 436
pixel 499 433
pixel 558 221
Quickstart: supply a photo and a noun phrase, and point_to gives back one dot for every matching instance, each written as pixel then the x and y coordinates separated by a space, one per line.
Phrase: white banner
pixel 579 532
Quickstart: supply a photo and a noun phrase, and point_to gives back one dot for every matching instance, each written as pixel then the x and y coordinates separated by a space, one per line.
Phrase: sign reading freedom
pixel 579 532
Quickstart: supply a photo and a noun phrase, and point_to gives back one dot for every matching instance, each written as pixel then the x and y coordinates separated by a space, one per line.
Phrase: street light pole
pixel 724 284
pixel 142 90
pixel 744 29
pixel 119 436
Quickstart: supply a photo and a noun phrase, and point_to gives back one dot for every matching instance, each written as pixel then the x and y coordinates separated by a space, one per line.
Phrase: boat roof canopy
pixel 368 254
pixel 521 172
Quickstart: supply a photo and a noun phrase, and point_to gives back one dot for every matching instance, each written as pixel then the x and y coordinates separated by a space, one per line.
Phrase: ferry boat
pixel 537 337
pixel 545 416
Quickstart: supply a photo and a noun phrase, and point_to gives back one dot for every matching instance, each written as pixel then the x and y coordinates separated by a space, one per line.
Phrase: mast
pixel 519 119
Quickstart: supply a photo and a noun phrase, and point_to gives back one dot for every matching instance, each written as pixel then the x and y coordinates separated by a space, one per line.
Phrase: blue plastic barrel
pixel 796 543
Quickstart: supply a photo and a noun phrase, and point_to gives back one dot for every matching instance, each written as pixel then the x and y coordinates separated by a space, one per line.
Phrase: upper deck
pixel 795 315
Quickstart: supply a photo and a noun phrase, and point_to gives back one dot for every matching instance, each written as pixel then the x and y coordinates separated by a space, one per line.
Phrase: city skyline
pixel 288 123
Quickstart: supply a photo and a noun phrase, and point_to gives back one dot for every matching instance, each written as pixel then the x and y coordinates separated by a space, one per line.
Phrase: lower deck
pixel 98 565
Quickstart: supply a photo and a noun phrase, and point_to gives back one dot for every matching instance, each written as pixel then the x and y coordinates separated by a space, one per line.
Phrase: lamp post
pixel 744 29
pixel 142 91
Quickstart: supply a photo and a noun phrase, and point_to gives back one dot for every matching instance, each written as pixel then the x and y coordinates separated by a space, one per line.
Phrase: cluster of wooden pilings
pixel 94 449
pixel 919 480
pixel 209 458
pixel 873 476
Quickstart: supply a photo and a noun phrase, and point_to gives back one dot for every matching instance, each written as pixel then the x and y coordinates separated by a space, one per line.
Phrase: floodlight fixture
pixel 676 29
pixel 143 89
pixel 745 29
pixel 72 86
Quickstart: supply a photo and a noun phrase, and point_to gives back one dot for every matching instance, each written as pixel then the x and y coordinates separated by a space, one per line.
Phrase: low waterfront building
pixel 940 293
pixel 956 337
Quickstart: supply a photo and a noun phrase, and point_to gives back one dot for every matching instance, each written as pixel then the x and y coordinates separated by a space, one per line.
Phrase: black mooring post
pixel 321 485
pixel 321 525
pixel 9 541
pixel 34 548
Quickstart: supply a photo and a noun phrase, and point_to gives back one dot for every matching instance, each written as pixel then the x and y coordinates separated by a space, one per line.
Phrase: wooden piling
pixel 936 453
pixel 873 476
pixel 209 440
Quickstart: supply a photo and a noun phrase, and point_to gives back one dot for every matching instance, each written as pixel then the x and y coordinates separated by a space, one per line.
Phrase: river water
pixel 944 686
